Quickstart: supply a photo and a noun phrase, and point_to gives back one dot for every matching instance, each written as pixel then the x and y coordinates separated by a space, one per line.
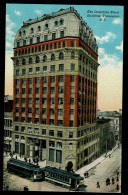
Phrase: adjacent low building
pixel 8 120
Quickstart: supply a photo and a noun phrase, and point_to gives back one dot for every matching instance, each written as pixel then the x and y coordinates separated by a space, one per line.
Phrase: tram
pixel 51 174
pixel 63 178
pixel 24 169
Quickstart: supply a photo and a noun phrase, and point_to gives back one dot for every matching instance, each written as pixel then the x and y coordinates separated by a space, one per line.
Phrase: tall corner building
pixel 55 90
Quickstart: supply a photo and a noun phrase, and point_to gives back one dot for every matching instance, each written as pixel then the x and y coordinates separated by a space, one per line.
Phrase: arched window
pixel 46 26
pixel 45 58
pixel 72 55
pixel 20 33
pixel 56 23
pixel 61 21
pixel 37 59
pixel 17 62
pixel 23 62
pixel 61 56
pixel 32 30
pixel 39 28
pixel 52 57
pixel 24 32
pixel 30 60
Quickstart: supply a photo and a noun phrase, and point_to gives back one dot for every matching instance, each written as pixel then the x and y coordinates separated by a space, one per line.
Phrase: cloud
pixel 38 12
pixel 106 59
pixel 9 32
pixel 120 47
pixel 18 13
pixel 107 38
pixel 109 81
pixel 117 21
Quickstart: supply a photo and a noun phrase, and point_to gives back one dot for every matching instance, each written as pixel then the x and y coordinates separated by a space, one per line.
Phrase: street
pixel 106 168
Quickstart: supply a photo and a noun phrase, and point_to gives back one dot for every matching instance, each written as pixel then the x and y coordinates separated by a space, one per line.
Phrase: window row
pixel 46 27
pixel 38 39
pixel 45 80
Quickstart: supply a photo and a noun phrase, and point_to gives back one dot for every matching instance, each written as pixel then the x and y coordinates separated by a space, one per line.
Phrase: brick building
pixel 55 90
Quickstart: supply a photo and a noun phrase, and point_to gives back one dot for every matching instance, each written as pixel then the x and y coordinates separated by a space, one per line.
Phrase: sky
pixel 108 31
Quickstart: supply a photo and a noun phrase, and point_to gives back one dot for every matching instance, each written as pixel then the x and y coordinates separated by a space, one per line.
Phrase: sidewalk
pixel 88 167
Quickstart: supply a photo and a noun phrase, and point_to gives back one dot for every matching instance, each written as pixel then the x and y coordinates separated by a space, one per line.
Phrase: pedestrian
pixel 20 155
pixel 16 157
pixel 117 187
pixel 98 185
pixel 29 160
pixel 109 155
pixel 117 179
pixel 112 180
pixel 34 160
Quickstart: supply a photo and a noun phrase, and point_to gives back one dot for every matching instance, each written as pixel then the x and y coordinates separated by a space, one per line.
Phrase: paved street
pixel 99 170
pixel 105 168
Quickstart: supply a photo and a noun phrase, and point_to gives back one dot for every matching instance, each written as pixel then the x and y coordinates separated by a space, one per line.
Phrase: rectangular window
pixel 30 100
pixel 29 119
pixel 31 41
pixel 17 100
pixel 51 121
pixel 17 72
pixel 30 70
pixel 45 37
pixel 61 67
pixel 36 131
pixel 16 128
pixel 72 78
pixel 23 119
pixel 52 68
pixel 52 100
pixel 44 68
pixel 51 132
pixel 58 156
pixel 29 110
pixel 44 111
pixel 30 91
pixel 61 34
pixel 72 89
pixel 72 112
pixel 72 67
pixel 53 35
pixel 22 129
pixel 61 78
pixel 52 90
pixel 71 124
pixel 61 89
pixel 38 39
pixel 70 134
pixel 37 90
pixel 18 44
pixel 24 81
pixel 44 101
pixel 72 101
pixel 24 42
pixel 60 101
pixel 44 121
pixel 44 90
pixel 51 155
pixel 59 133
pixel 37 111
pixel 23 90
pixel 52 111
pixel 37 69
pixel 23 110
pixel 17 109
pixel 43 131
pixel 51 144
pixel 37 100
pixel 52 79
pixel 45 79
pixel 17 91
pixel 60 122
pixel 60 112
pixel 23 71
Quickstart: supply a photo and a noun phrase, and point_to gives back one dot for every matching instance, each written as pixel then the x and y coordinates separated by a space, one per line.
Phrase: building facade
pixel 55 90
pixel 106 137
pixel 8 123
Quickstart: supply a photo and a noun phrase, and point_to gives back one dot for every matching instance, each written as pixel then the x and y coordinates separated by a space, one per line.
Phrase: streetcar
pixel 65 179
pixel 24 169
